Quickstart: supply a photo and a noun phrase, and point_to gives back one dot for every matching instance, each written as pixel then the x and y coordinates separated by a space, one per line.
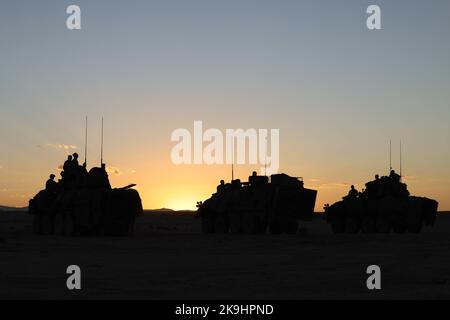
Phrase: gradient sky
pixel 337 91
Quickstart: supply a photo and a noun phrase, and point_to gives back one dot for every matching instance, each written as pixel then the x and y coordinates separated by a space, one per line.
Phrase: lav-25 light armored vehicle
pixel 383 206
pixel 252 207
pixel 89 207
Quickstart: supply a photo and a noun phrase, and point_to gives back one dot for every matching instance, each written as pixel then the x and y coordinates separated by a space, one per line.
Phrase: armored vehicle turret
pixel 385 205
pixel 83 203
pixel 252 207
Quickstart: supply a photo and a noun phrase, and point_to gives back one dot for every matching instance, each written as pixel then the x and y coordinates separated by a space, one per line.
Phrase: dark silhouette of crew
pixel 236 184
pixel 353 193
pixel 255 180
pixel 68 164
pixel 51 185
pixel 75 163
pixel 385 186
pixel 373 188
pixel 221 186
pixel 74 175
pixel 394 176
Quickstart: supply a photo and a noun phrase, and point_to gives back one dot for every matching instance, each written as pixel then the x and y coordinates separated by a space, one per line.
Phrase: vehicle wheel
pixel 248 223
pixel 58 224
pixel 382 225
pixel 207 224
pixel 235 223
pixel 275 227
pixel 368 225
pixel 351 226
pixel 337 225
pixel 47 225
pixel 37 224
pixel 291 227
pixel 69 225
pixel 415 228
pixel 221 224
pixel 399 228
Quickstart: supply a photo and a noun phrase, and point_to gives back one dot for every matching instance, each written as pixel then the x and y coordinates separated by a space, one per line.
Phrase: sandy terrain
pixel 168 258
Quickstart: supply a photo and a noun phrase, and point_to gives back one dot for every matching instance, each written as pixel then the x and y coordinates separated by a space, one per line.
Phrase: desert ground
pixel 168 258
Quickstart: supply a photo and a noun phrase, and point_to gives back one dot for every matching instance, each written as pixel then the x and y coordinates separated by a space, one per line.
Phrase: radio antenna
pixel 400 158
pixel 265 160
pixel 86 142
pixel 232 159
pixel 390 155
pixel 101 151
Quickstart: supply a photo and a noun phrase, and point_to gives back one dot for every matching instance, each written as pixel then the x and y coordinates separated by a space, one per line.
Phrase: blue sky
pixel 337 91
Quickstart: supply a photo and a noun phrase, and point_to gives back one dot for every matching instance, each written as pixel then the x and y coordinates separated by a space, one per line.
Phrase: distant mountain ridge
pixel 5 208
pixel 165 211
pixel 162 210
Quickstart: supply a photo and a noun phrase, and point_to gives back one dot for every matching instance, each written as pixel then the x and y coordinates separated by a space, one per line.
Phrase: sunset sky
pixel 336 91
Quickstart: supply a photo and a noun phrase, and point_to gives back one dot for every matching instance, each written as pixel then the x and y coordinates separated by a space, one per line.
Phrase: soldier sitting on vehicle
pixel 69 173
pixel 221 186
pixel 75 163
pixel 254 179
pixel 353 193
pixel 78 174
pixel 236 184
pixel 51 185
pixel 373 188
pixel 394 176
pixel 68 164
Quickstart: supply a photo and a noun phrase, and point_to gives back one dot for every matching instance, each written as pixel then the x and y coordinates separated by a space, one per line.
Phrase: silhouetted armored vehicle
pixel 88 208
pixel 252 207
pixel 383 206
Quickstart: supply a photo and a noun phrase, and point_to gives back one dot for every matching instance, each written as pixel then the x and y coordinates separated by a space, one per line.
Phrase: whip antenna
pixel 232 160
pixel 101 151
pixel 265 160
pixel 86 142
pixel 390 155
pixel 400 158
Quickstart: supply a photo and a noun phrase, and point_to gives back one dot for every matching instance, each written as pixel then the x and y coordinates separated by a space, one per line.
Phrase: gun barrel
pixel 128 186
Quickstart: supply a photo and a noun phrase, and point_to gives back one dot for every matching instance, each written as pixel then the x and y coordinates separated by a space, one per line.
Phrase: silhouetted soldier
pixel 394 176
pixel 236 184
pixel 68 164
pixel 373 187
pixel 84 174
pixel 353 193
pixel 254 179
pixel 75 163
pixel 51 185
pixel 221 186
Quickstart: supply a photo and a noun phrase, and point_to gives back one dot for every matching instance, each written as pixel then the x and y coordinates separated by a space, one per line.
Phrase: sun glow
pixel 182 203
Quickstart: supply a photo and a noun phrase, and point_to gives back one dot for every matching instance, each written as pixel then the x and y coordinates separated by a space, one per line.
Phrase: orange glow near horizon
pixel 164 185
pixel 185 196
